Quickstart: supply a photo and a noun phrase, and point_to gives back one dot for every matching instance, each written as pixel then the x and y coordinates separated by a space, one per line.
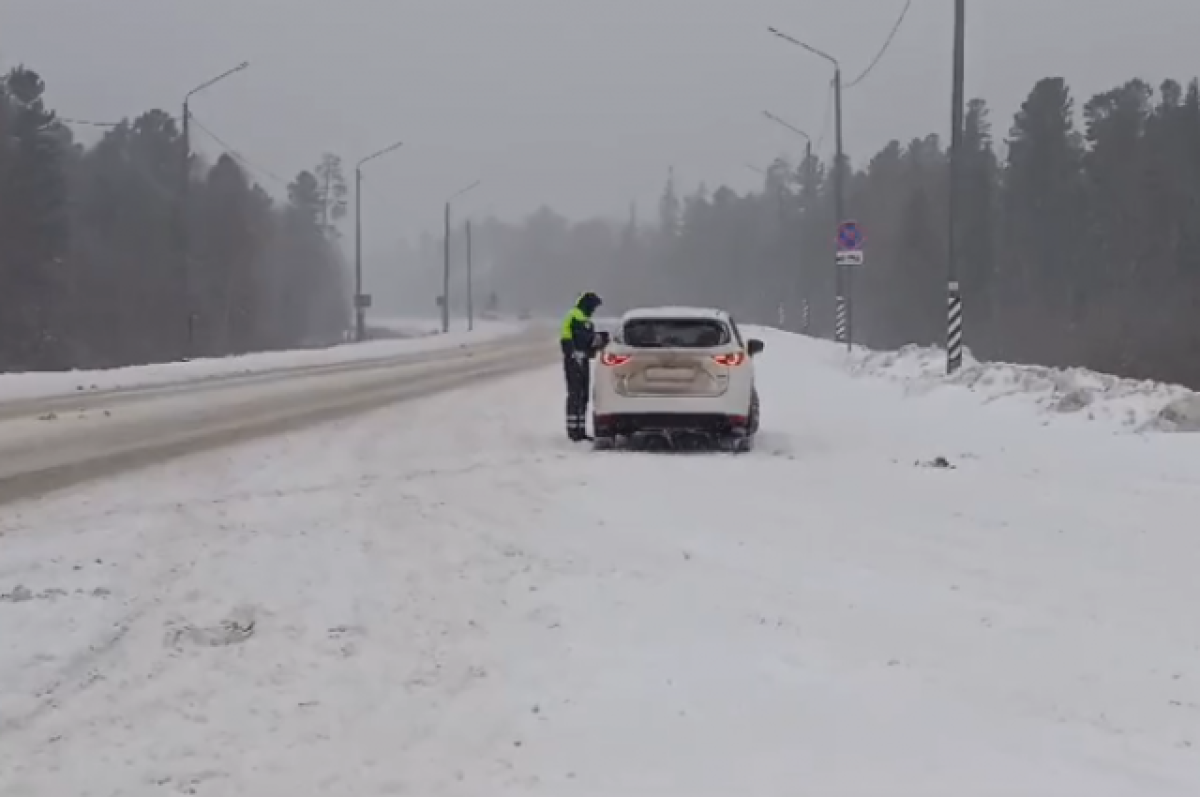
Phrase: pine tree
pixel 1044 224
pixel 977 227
pixel 34 226
pixel 670 210
pixel 333 192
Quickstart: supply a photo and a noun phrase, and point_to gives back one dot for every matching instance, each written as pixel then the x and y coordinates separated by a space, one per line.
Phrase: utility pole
pixel 361 300
pixel 183 230
pixel 954 305
pixel 446 275
pixel 470 292
pixel 843 316
pixel 360 320
pixel 446 263
pixel 845 308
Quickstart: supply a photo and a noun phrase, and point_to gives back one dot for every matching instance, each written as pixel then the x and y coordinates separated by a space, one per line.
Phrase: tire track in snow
pixel 189 518
pixel 94 665
pixel 87 667
pixel 446 661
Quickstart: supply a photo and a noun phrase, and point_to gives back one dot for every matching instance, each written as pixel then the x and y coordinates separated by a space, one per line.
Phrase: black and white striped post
pixel 839 324
pixel 954 329
pixel 954 326
pixel 849 256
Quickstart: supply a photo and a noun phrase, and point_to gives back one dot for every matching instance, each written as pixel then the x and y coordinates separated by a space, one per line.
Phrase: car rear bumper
pixel 634 422
pixel 734 401
pixel 616 414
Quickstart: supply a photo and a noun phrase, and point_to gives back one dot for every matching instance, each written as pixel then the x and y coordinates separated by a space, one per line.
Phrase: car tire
pixel 735 443
pixel 752 419
pixel 602 429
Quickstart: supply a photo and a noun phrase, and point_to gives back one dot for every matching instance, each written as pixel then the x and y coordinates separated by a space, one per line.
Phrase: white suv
pixel 673 371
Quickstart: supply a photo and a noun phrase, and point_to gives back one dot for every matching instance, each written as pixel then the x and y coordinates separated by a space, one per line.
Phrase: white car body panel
pixel 659 379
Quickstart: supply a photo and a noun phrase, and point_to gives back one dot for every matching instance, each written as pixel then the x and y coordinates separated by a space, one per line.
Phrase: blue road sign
pixel 849 237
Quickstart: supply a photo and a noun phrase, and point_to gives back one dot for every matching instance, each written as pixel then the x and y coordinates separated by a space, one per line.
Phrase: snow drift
pixel 1139 405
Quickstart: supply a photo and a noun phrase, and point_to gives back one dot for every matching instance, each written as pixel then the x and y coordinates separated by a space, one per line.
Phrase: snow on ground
pixel 17 386
pixel 447 598
pixel 1129 403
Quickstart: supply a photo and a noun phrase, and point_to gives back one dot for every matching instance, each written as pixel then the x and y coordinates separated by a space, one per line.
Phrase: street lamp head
pixel 240 67
pixel 788 125
pixel 808 47
pixel 379 154
pixel 471 187
pixel 782 35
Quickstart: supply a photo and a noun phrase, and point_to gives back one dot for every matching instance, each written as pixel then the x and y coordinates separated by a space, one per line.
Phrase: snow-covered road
pixel 446 598
pixel 34 388
pixel 57 441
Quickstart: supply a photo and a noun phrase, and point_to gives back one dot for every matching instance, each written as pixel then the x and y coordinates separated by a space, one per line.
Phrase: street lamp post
pixel 470 291
pixel 954 308
pixel 446 259
pixel 843 319
pixel 361 300
pixel 184 196
pixel 803 300
pixel 807 138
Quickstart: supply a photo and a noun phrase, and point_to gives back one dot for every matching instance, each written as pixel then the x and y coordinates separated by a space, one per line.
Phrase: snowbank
pixel 415 337
pixel 1133 404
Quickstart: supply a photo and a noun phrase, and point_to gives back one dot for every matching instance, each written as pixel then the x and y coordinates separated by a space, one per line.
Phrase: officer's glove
pixel 579 356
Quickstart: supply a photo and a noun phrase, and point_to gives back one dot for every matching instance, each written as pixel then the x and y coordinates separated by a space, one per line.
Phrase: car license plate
pixel 670 374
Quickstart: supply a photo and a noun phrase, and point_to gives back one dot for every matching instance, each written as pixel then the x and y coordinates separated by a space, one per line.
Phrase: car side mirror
pixel 755 346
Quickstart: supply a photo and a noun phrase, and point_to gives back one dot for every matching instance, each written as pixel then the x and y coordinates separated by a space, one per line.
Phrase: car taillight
pixel 737 358
pixel 610 359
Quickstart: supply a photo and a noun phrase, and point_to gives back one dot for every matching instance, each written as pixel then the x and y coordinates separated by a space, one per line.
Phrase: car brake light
pixel 737 358
pixel 610 359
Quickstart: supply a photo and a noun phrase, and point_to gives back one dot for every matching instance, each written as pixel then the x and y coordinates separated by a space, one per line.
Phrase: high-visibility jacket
pixel 577 332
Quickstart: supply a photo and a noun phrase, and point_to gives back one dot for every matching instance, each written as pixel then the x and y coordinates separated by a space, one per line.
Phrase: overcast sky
pixel 581 104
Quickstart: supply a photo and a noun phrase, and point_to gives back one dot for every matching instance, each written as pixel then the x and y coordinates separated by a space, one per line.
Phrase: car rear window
pixel 675 333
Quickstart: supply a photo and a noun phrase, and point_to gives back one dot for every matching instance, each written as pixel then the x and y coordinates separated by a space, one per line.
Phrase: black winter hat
pixel 589 301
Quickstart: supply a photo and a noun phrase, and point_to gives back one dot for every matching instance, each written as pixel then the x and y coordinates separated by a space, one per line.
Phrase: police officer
pixel 579 344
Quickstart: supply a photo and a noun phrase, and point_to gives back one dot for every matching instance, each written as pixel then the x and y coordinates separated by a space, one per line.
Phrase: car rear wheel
pixel 735 443
pixel 753 418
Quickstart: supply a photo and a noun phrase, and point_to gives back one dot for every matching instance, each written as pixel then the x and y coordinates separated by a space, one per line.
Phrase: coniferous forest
pixel 108 257
pixel 1079 238
pixel 1080 241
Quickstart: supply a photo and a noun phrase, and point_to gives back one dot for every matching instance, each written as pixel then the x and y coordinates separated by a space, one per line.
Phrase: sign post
pixel 849 255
